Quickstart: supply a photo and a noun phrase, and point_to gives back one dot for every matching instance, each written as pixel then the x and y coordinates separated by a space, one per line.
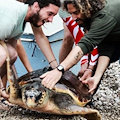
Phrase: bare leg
pixel 2 61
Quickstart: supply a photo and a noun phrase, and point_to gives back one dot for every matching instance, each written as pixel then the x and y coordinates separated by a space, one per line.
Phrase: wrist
pixel 89 69
pixel 53 64
pixel 52 61
pixel 97 77
pixel 60 68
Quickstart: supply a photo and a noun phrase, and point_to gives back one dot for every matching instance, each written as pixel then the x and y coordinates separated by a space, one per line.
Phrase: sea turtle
pixel 64 99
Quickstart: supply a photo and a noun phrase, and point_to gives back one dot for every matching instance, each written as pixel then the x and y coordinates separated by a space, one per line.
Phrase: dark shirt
pixel 104 28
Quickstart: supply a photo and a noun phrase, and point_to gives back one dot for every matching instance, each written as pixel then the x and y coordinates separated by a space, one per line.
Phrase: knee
pixel 13 56
pixel 3 57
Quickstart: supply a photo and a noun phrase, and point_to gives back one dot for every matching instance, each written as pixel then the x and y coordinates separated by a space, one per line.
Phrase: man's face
pixel 45 14
pixel 76 15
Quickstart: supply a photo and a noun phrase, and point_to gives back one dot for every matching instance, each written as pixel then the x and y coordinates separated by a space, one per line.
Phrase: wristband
pixel 52 61
pixel 89 69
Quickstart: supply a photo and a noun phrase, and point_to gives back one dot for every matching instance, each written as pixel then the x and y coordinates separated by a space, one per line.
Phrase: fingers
pixel 45 81
pixel 49 79
pixel 85 81
pixel 90 82
pixel 52 85
pixel 80 74
pixel 48 83
pixel 3 93
pixel 83 78
pixel 91 90
pixel 43 75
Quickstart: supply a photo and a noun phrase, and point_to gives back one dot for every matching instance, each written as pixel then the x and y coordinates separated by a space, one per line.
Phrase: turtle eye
pixel 38 96
pixel 42 97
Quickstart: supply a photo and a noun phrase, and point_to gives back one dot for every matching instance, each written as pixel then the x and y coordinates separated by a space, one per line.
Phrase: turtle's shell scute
pixel 35 74
pixel 75 85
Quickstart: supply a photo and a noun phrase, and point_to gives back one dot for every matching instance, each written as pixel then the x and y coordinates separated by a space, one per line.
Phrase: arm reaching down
pixel 52 77
pixel 44 45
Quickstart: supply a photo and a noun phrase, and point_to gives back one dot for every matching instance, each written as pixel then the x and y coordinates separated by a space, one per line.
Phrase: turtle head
pixel 33 95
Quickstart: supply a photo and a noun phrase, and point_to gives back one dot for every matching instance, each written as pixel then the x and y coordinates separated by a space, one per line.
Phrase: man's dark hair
pixel 73 2
pixel 43 3
pixel 88 7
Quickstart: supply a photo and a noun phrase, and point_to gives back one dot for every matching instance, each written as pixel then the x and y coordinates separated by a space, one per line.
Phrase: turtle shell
pixel 74 86
pixel 67 98
pixel 31 75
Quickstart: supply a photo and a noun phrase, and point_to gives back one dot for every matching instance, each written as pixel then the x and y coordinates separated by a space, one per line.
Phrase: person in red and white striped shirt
pixel 88 61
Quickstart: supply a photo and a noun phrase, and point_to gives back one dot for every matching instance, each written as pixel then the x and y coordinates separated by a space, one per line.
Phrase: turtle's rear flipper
pixel 88 113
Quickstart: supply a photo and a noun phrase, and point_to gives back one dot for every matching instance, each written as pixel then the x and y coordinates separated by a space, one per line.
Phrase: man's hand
pixel 92 82
pixel 87 74
pixel 83 69
pixel 51 78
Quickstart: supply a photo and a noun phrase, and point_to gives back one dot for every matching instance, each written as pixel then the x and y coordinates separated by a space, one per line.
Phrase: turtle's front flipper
pixel 88 113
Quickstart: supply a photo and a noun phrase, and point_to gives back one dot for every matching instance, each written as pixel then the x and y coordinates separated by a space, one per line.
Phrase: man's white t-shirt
pixel 12 15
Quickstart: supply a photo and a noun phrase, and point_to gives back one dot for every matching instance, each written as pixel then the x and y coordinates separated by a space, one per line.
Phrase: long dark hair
pixel 87 7
pixel 90 7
